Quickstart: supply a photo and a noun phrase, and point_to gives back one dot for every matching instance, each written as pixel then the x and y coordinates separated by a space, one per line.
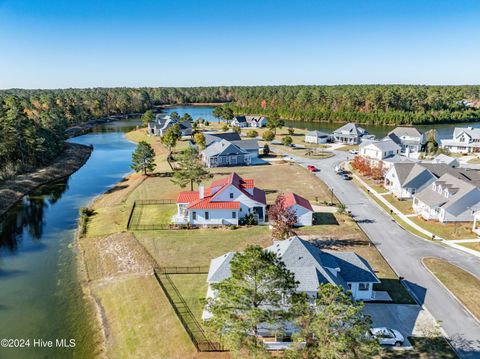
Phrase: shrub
pixel 287 141
pixel 268 136
pixel 252 133
pixel 266 150
pixel 225 127
pixel 248 220
pixel 237 129
pixel 291 131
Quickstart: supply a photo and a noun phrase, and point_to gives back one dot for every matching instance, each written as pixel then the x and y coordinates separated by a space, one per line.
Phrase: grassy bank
pixel 462 284
pixel 73 157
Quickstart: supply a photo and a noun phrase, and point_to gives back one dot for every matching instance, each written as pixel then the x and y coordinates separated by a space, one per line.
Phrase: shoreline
pixel 68 162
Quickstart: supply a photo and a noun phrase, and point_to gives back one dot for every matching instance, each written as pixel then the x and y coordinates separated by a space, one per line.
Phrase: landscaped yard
pixel 464 285
pixel 473 245
pixel 348 148
pixel 153 214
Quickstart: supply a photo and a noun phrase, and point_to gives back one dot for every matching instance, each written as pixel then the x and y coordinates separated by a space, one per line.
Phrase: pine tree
pixel 143 158
pixel 190 170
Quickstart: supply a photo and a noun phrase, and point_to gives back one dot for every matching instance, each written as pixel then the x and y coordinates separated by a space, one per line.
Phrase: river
pixel 40 297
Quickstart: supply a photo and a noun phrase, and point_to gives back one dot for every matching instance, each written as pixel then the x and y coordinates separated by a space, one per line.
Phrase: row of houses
pixel 438 191
pixel 228 200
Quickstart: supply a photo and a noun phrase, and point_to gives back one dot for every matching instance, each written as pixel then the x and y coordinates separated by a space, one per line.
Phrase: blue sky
pixel 71 43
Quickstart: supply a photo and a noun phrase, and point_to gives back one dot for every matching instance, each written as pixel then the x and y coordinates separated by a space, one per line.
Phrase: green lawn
pixel 446 230
pixel 404 206
pixel 153 214
pixel 475 161
pixel 193 288
pixel 464 285
pixel 473 245
pixel 348 148
pixel 423 348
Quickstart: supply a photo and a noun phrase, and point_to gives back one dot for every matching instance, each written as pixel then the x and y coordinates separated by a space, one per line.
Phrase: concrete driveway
pixel 404 252
pixel 408 319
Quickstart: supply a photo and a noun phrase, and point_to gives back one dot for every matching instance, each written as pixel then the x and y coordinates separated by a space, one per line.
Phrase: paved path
pixel 404 252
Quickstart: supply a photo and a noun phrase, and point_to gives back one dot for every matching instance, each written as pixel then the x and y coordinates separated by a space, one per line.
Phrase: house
pixel 249 121
pixel 409 139
pixel 350 134
pixel 211 137
pixel 159 126
pixel 311 267
pixel 449 161
pixel 448 199
pixel 225 202
pixel 224 154
pixel 379 150
pixel 302 207
pixel 464 140
pixel 316 137
pixel 405 179
pixel 251 146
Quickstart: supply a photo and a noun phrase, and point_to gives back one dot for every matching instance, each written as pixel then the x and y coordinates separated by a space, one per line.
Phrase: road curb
pixel 447 289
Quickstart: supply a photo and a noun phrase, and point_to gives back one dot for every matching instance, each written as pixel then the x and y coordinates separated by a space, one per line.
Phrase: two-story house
pixel 464 140
pixel 409 139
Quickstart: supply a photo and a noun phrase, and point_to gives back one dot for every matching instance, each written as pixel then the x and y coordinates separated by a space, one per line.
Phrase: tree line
pixel 32 121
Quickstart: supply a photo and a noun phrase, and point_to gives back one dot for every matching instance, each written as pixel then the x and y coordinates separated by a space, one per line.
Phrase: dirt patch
pixel 115 255
pixel 72 158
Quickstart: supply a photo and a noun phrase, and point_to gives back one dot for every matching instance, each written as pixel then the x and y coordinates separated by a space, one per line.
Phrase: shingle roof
pixel 316 133
pixel 240 119
pixel 310 265
pixel 216 137
pixel 246 144
pixel 386 145
pixel 293 198
pixel 406 131
pixel 223 147
pixel 474 133
pixel 351 129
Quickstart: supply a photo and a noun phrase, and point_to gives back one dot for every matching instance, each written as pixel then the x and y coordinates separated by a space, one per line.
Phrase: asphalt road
pixel 404 252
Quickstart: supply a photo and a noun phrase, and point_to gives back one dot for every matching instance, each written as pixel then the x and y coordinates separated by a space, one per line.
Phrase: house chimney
pixel 201 191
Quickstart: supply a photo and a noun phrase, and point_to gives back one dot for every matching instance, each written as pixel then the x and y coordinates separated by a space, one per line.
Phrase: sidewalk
pixel 407 220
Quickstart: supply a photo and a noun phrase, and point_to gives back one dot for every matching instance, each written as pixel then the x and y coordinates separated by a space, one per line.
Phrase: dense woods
pixel 32 122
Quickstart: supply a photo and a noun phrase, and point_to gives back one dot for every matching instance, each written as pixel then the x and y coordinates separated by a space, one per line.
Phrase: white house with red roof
pixel 225 202
pixel 302 208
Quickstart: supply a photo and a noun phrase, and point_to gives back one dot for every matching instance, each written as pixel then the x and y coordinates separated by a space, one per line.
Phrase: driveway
pixel 408 319
pixel 404 252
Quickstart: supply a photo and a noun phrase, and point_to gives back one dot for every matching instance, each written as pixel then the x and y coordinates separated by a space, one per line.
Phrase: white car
pixel 353 152
pixel 387 336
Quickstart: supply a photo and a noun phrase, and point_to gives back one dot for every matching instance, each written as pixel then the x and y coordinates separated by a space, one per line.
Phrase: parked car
pixel 346 177
pixel 338 169
pixel 312 168
pixel 353 152
pixel 387 336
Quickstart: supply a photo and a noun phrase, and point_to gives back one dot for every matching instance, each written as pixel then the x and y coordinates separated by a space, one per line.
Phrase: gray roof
pixel 397 159
pixel 386 145
pixel 218 136
pixel 351 129
pixel 406 131
pixel 223 147
pixel 441 158
pixel 464 195
pixel 249 145
pixel 316 133
pixel 474 133
pixel 241 119
pixel 310 265
pixel 413 175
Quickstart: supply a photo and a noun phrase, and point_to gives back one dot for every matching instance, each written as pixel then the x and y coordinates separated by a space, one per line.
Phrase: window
pixel 206 215
pixel 194 215
pixel 234 215
pixel 231 195
pixel 240 209
pixel 363 286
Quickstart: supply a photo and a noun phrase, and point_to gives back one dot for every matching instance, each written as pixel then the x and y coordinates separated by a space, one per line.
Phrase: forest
pixel 32 122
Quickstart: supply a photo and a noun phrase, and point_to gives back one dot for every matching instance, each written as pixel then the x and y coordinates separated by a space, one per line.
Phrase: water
pixel 196 112
pixel 40 297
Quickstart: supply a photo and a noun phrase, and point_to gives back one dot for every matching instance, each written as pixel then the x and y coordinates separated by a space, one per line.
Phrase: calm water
pixel 40 297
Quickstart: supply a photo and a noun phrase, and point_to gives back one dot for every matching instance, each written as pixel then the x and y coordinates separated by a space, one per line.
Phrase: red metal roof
pixel 293 198
pixel 187 197
pixel 206 203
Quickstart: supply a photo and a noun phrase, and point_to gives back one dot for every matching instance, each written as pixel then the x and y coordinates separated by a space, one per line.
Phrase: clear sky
pixel 87 43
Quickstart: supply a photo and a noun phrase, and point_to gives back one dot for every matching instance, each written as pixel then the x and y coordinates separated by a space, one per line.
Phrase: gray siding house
pixel 409 139
pixel 350 134
pixel 224 154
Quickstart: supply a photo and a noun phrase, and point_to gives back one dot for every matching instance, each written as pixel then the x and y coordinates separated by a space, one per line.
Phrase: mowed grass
pixel 446 230
pixel 151 214
pixel 197 247
pixel 473 245
pixel 462 284
pixel 193 288
pixel 404 206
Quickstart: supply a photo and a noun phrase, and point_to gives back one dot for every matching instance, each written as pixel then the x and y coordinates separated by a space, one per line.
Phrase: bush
pixel 237 129
pixel 287 141
pixel 248 220
pixel 225 127
pixel 206 123
pixel 268 136
pixel 291 131
pixel 266 150
pixel 252 133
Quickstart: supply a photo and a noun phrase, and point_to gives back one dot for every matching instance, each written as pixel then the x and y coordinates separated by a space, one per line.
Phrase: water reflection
pixel 28 215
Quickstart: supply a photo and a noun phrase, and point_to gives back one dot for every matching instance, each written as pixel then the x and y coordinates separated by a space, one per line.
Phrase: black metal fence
pixel 189 322
pixel 135 216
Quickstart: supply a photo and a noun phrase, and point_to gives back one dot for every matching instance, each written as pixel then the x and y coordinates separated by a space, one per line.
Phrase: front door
pixel 233 160
pixel 258 211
